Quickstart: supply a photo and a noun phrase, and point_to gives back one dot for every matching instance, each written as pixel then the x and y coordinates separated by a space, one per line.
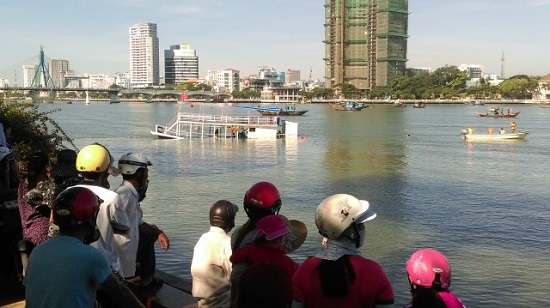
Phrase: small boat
pixel 498 114
pixel 475 103
pixel 509 136
pixel 544 105
pixel 69 102
pixel 419 105
pixel 348 106
pixel 399 104
pixel 289 110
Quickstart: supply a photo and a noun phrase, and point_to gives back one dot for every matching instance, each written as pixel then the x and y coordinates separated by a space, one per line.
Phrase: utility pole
pixel 502 65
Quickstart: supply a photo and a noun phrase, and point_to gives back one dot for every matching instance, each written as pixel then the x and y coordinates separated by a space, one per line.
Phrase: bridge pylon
pixel 42 77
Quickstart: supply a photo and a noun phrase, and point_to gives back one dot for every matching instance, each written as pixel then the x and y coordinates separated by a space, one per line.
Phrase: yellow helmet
pixel 93 158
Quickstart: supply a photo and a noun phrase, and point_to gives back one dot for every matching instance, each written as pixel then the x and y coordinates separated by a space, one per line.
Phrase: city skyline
pixel 284 34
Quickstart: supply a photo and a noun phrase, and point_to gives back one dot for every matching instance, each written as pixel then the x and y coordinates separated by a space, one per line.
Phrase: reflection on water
pixel 482 204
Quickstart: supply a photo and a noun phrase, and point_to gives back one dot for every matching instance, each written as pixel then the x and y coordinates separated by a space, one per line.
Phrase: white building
pixel 474 71
pixel 144 55
pixel 28 74
pixel 225 81
pixel 181 64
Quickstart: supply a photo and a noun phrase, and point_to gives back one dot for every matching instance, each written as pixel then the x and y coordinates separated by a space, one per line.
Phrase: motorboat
pixel 288 110
pixel 348 106
pixel 470 135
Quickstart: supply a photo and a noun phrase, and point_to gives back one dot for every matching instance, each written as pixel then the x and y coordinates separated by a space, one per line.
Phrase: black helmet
pixel 222 214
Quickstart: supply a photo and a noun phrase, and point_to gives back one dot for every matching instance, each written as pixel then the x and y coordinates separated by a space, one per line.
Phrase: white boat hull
pixel 510 136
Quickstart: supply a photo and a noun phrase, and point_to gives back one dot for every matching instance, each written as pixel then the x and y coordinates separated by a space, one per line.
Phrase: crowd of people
pixel 87 244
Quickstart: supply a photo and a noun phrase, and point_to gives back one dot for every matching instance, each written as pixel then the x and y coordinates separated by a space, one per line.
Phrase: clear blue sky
pixel 239 34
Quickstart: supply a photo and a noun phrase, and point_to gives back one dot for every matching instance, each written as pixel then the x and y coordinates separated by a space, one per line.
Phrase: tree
pixel 33 130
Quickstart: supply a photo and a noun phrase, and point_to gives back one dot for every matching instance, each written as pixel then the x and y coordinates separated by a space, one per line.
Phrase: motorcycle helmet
pixel 429 268
pixel 129 163
pixel 75 206
pixel 222 214
pixel 262 199
pixel 93 158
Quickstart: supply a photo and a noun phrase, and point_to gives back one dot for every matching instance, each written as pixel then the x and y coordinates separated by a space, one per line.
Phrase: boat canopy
pixel 271 109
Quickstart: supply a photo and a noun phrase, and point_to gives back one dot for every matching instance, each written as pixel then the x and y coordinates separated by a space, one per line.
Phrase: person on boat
pixel 338 276
pixel 94 162
pixel 502 131
pixel 490 130
pixel 65 271
pixel 429 275
pixel 513 127
pixel 210 267
pixel 138 244
pixel 268 247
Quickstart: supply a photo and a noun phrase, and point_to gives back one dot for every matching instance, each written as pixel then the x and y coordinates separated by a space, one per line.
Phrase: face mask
pixel 142 190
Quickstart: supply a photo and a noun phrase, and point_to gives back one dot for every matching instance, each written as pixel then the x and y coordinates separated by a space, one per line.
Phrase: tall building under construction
pixel 365 42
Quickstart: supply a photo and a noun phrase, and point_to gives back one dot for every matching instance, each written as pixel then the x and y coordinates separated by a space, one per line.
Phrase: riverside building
pixel 144 55
pixel 181 64
pixel 365 42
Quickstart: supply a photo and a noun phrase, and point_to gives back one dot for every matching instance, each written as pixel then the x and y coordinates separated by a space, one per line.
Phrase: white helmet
pixel 338 212
pixel 129 163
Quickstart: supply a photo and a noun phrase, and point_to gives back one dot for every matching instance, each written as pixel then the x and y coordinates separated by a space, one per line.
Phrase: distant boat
pixel 472 136
pixel 69 102
pixel 399 104
pixel 475 103
pixel 419 105
pixel 544 104
pixel 498 114
pixel 348 106
pixel 289 110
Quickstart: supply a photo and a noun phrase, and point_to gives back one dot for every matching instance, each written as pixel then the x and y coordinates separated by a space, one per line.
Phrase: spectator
pixel 133 168
pixel 268 247
pixel 211 267
pixel 339 276
pixel 64 271
pixel 94 162
pixel 35 198
pixel 264 285
pixel 429 274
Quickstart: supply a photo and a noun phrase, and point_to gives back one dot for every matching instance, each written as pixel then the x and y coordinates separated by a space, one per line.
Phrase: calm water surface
pixel 483 204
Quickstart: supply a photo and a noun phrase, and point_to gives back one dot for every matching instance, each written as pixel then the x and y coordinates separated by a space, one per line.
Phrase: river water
pixel 483 204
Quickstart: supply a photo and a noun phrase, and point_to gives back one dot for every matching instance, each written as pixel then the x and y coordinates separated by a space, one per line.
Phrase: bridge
pixel 116 94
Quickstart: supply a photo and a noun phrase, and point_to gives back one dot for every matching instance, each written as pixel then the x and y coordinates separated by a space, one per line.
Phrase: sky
pixel 284 34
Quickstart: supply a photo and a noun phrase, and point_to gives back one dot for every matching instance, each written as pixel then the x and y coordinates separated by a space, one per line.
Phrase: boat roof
pixel 272 109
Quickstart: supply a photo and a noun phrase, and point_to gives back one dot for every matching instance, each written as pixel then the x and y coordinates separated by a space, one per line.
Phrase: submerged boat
pixel 289 110
pixel 466 135
pixel 348 106
pixel 196 125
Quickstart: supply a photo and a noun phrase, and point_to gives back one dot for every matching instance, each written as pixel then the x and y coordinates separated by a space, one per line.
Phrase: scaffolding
pixel 366 41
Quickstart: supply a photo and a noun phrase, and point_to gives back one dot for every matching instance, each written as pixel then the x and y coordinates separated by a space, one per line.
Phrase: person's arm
pixel 162 239
pixel 120 293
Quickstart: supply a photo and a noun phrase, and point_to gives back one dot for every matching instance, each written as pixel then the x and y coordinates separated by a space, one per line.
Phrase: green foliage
pixel 246 94
pixel 33 131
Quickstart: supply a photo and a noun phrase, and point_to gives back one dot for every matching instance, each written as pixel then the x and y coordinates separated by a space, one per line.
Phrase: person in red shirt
pixel 339 276
pixel 268 247
pixel 429 274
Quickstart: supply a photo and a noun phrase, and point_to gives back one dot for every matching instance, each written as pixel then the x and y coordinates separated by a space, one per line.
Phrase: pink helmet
pixel 429 268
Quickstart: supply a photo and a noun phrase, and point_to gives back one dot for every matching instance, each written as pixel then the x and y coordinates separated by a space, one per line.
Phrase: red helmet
pixel 262 199
pixel 75 206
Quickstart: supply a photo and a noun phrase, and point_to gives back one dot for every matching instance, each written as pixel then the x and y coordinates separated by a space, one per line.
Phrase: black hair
pixel 35 166
pixel 427 298
pixel 335 276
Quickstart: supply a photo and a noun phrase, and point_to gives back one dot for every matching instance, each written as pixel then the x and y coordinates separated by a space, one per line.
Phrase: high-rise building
pixel 292 76
pixel 180 64
pixel 365 42
pixel 144 55
pixel 28 74
pixel 58 68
